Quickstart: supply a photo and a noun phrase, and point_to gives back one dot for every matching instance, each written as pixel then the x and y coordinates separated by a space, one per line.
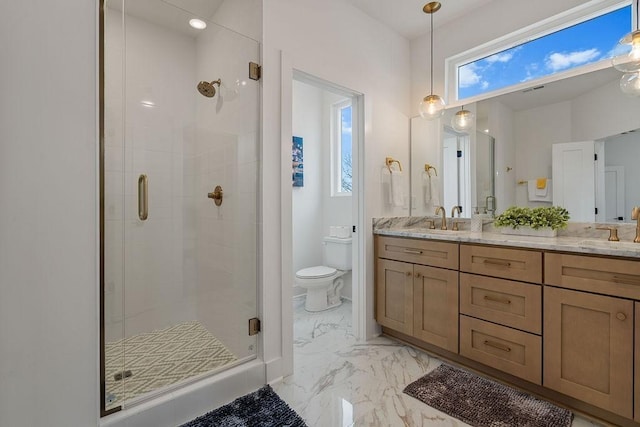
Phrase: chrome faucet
pixel 439 209
pixel 635 214
pixel 453 213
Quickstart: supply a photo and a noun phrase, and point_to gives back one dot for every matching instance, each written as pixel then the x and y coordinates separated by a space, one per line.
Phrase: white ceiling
pixel 406 17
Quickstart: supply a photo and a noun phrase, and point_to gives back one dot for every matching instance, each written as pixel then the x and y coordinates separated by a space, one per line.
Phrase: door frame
pixel 289 73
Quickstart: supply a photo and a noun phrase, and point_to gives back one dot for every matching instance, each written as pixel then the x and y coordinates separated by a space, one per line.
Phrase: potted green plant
pixel 542 221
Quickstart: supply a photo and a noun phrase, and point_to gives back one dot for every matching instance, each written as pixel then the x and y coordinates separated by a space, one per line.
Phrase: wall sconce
pixel 432 106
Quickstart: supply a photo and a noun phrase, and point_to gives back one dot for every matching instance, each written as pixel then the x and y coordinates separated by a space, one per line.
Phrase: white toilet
pixel 324 282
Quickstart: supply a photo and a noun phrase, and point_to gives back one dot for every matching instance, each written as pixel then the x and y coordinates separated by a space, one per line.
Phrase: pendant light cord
pixel 431 15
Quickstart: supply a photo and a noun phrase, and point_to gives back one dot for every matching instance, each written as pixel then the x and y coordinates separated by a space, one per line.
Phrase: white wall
pixel 536 130
pixel 48 220
pixel 308 200
pixel 338 43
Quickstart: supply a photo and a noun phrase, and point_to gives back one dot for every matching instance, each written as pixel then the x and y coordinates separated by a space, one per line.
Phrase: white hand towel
pixel 426 187
pixel 396 195
pixel 535 194
pixel 435 190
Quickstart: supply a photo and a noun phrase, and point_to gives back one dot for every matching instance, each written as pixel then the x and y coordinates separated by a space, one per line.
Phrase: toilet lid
pixel 315 272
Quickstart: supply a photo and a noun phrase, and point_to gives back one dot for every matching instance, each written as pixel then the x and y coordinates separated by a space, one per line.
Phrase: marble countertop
pixel 583 245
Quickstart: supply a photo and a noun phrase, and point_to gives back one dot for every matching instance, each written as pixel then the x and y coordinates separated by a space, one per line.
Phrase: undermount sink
pixel 610 245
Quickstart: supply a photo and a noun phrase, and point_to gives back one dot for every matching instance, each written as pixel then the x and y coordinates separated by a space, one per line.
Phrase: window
pixel 581 36
pixel 342 172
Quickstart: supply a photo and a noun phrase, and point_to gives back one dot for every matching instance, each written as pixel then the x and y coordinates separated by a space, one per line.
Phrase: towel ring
pixel 389 161
pixel 428 167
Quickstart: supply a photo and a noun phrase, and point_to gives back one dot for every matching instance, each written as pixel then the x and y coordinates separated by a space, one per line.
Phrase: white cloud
pixel 503 57
pixel 485 84
pixel 468 75
pixel 560 61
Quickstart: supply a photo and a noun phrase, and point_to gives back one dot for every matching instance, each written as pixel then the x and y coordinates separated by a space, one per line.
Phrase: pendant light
pixel 462 121
pixel 432 106
pixel 629 61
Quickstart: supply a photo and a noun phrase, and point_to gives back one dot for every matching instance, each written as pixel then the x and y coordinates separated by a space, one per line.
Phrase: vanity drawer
pixel 514 304
pixel 515 352
pixel 610 276
pixel 426 252
pixel 515 264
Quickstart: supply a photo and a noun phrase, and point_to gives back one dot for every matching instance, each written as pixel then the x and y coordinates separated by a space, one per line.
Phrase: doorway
pixel 326 201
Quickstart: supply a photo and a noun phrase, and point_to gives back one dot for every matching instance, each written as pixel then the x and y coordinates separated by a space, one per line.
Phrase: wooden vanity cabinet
pixel 567 322
pixel 589 329
pixel 414 294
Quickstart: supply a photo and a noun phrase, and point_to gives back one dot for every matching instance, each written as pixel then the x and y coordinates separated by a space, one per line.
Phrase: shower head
pixel 207 88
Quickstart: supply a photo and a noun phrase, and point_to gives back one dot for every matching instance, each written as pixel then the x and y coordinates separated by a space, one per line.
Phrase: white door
pixel 573 169
pixel 614 193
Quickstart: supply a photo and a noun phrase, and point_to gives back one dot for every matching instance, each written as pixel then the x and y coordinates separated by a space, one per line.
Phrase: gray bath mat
pixel 484 403
pixel 262 408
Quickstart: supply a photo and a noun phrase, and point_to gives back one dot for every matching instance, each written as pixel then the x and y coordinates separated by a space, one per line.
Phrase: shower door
pixel 179 258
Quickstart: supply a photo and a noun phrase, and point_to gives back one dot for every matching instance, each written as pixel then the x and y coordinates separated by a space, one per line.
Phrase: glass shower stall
pixel 179 161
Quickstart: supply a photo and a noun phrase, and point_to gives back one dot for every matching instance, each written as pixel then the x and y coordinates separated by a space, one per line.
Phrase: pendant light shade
pixel 629 60
pixel 463 120
pixel 630 84
pixel 432 106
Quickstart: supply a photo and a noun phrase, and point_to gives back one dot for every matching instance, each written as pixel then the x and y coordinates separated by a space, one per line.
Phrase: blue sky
pixel 581 44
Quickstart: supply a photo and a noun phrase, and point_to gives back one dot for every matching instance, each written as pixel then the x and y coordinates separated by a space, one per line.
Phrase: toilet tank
pixel 337 252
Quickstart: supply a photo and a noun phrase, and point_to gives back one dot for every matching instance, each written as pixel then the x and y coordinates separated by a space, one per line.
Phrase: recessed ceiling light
pixel 198 24
pixel 486 131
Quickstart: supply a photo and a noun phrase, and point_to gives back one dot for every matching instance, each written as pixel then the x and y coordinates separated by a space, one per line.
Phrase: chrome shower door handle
pixel 143 197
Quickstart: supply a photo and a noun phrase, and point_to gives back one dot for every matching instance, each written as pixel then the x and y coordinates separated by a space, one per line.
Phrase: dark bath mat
pixel 262 408
pixel 484 403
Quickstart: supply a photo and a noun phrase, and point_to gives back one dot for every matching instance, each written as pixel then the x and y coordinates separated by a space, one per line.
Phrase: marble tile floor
pixel 339 382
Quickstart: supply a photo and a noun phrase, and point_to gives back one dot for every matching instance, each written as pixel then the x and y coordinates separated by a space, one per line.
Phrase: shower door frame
pixel 251 370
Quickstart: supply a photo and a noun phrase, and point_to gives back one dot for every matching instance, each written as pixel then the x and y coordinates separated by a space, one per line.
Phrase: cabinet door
pixel 435 306
pixel 394 295
pixel 588 348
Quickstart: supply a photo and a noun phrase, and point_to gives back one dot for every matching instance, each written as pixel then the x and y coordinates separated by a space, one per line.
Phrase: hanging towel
pixel 396 193
pixel 541 187
pixel 426 187
pixel 539 195
pixel 435 190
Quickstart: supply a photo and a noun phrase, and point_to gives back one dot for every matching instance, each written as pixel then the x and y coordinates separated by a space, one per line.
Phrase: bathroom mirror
pixel 526 124
pixel 451 168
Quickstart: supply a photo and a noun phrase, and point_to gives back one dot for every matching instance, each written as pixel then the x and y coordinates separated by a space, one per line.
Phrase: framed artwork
pixel 298 169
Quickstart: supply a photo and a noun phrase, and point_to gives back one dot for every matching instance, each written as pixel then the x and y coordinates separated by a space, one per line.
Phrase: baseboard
pixel 273 370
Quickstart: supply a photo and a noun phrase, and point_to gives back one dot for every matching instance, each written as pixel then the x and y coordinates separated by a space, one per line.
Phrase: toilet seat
pixel 317 272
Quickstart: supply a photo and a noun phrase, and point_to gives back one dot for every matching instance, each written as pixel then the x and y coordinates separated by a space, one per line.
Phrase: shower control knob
pixel 216 195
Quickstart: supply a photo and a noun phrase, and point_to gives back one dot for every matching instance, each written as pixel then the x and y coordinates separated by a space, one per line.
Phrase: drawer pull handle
pixel 418 275
pixel 500 300
pixel 412 251
pixel 621 316
pixel 497 345
pixel 408 273
pixel 497 262
pixel 626 280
